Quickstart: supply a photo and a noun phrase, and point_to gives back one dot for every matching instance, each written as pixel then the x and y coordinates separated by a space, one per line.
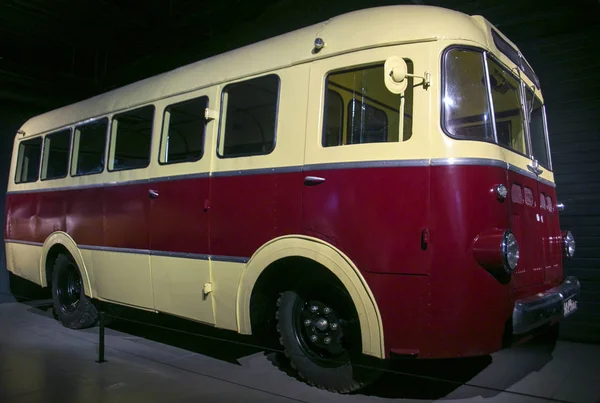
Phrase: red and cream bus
pixel 376 185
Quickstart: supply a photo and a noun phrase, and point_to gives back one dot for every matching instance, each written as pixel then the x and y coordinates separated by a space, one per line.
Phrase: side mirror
pixel 395 74
pixel 395 71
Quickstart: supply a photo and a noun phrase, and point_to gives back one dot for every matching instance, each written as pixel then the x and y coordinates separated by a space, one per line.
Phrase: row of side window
pixel 249 112
pixel 358 109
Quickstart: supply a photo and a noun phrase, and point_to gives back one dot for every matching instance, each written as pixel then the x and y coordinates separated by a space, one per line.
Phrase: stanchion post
pixel 101 340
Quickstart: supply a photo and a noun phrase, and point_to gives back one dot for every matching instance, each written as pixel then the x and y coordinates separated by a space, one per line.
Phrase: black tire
pixel 327 367
pixel 72 307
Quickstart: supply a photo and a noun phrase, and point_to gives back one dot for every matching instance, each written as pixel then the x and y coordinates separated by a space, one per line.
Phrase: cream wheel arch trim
pixel 335 261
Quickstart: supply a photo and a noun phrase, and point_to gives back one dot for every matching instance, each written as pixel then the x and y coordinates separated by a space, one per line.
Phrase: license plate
pixel 569 306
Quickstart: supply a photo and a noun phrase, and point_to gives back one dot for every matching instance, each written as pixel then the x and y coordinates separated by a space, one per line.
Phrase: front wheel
pixel 321 339
pixel 72 307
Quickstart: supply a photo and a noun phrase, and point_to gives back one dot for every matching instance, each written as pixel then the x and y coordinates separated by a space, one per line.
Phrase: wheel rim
pixel 320 332
pixel 69 289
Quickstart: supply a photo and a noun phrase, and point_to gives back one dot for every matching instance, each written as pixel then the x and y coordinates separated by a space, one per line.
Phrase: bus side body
pixel 177 237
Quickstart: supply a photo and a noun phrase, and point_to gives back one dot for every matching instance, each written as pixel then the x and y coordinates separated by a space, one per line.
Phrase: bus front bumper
pixel 553 304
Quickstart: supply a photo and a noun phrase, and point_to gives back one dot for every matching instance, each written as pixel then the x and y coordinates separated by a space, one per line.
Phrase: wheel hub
pixel 69 289
pixel 321 328
pixel 322 324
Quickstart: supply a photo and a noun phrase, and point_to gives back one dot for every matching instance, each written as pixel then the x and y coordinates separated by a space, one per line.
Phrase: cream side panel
pixel 226 279
pixel 179 287
pixel 291 122
pixel 123 277
pixel 24 260
pixel 414 148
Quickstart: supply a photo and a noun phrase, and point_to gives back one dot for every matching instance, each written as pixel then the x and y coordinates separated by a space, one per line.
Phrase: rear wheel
pixel 72 307
pixel 320 334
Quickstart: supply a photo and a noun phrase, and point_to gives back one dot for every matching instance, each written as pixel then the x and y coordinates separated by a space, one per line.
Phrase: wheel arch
pixel 61 242
pixel 318 251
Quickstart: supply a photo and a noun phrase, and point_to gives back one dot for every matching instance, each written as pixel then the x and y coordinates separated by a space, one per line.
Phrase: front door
pixel 366 174
pixel 179 217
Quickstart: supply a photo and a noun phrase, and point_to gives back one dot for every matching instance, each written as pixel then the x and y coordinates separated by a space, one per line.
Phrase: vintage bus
pixel 373 186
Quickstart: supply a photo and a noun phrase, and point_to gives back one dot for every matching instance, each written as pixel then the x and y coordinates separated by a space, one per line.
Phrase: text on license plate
pixel 569 307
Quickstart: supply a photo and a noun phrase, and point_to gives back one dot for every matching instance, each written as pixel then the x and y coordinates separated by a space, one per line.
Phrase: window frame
pixel 221 134
pixel 110 158
pixel 20 161
pixel 162 132
pixel 443 94
pixel 544 124
pixel 486 54
pixel 71 131
pixel 326 89
pixel 106 143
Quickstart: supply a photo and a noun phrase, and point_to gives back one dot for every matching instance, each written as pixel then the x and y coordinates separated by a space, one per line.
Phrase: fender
pixel 371 326
pixel 65 240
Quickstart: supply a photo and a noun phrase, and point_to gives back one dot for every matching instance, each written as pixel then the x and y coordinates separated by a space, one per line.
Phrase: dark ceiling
pixel 57 52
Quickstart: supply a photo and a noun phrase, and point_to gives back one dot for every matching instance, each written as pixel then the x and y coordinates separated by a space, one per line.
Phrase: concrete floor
pixel 41 361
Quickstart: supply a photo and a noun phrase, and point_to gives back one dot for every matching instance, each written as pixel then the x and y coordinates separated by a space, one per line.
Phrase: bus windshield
pixel 474 101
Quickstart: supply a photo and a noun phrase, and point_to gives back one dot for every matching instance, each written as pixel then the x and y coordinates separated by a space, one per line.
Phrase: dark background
pixel 54 53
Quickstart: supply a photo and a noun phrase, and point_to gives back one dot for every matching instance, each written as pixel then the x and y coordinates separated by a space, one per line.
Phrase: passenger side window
pixel 249 117
pixel 374 114
pixel 183 131
pixel 89 148
pixel 366 123
pixel 28 161
pixel 131 139
pixel 334 119
pixel 57 148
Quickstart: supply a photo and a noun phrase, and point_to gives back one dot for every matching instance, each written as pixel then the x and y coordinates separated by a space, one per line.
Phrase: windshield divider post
pixel 489 92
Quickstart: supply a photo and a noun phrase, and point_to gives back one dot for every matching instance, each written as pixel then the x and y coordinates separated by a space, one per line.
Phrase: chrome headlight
pixel 569 241
pixel 510 251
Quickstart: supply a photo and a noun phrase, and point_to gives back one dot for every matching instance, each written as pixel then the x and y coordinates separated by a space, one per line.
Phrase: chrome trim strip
pixel 258 171
pixel 312 167
pixel 110 184
pixel 522 171
pixel 469 161
pixel 547 182
pixel 30 243
pixel 367 164
pixel 184 255
pixel 230 259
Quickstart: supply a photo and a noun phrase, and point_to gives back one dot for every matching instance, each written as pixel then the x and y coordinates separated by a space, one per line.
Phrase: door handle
pixel 152 193
pixel 313 180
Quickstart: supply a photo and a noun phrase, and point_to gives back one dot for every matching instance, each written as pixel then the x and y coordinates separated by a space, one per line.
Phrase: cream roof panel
pixel 359 29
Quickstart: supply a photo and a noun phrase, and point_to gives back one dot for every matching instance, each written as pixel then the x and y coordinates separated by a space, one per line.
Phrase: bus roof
pixel 352 31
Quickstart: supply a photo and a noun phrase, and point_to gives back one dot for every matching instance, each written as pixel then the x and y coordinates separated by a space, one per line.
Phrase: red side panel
pixel 551 234
pixel 375 215
pixel 85 216
pixel 469 306
pixel 125 216
pixel 523 193
pixel 21 221
pixel 178 219
pixel 250 210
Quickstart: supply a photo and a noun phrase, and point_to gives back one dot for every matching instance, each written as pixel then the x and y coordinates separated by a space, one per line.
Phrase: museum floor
pixel 41 361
